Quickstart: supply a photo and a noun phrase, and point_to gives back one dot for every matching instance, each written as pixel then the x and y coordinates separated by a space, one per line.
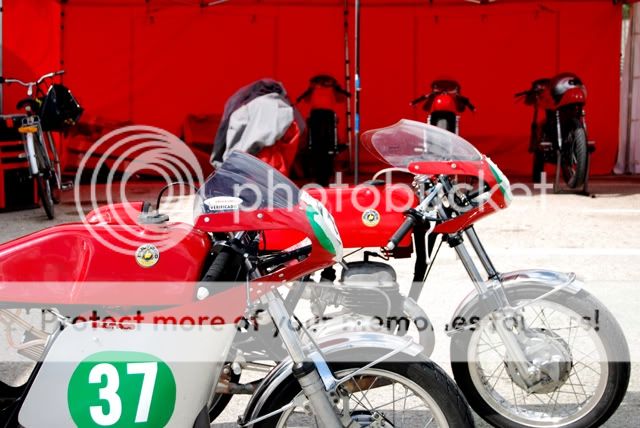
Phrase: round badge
pixel 370 218
pixel 147 255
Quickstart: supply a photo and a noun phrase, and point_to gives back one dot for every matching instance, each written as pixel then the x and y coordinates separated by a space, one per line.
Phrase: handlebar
pixel 10 80
pixel 405 227
pixel 412 217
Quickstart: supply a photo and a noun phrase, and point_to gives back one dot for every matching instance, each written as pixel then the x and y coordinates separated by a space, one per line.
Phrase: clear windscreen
pixel 409 141
pixel 245 183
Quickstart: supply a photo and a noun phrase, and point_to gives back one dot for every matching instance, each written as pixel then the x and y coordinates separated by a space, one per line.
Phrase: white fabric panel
pixel 629 147
pixel 258 124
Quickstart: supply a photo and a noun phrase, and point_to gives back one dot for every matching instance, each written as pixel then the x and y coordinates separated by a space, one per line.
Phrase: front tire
pixel 374 394
pixel 538 166
pixel 444 120
pixel 502 403
pixel 43 178
pixel 46 196
pixel 574 156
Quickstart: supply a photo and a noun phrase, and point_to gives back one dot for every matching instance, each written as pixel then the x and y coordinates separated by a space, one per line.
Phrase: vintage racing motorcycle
pixel 529 348
pixel 143 329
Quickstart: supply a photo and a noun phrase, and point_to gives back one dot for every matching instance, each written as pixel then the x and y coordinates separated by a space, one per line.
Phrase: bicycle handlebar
pixel 10 80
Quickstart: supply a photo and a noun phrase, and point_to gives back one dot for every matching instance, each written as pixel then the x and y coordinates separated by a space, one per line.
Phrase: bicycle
pixel 47 109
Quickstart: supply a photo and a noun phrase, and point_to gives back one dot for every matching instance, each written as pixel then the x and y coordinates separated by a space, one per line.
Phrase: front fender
pixel 336 345
pixel 537 278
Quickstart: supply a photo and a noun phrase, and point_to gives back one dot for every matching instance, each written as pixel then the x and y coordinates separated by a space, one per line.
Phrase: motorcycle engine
pixel 370 288
pixel 550 357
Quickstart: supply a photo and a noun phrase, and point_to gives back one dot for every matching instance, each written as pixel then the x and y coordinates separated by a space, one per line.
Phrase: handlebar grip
pixel 402 231
pixel 1 80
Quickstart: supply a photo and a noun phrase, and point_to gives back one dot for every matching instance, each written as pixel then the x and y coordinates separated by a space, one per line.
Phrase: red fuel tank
pixel 366 215
pixel 79 257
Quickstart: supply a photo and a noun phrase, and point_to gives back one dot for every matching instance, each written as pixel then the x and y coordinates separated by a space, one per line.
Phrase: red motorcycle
pixel 559 129
pixel 529 348
pixel 444 105
pixel 144 311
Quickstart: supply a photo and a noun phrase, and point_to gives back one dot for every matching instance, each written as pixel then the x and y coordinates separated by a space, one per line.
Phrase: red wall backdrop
pixel 30 44
pixel 155 62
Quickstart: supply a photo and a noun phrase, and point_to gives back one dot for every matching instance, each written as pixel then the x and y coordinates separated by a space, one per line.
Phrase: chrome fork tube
pixel 470 267
pixel 492 295
pixel 481 252
pixel 306 372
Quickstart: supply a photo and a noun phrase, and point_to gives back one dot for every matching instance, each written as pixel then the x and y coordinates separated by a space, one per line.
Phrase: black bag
pixel 60 110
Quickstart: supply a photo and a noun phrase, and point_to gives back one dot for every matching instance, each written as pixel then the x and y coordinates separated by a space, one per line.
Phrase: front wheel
pixel 395 394
pixel 583 364
pixel 574 156
pixel 445 120
pixel 45 195
pixel 44 178
pixel 538 166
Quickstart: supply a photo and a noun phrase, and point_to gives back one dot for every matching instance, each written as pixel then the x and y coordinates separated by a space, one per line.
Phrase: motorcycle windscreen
pixel 409 141
pixel 245 183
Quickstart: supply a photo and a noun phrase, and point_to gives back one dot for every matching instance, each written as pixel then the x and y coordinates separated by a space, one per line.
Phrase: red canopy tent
pixel 157 61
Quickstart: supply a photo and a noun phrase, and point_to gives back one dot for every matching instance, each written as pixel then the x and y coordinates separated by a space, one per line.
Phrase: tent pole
pixel 1 57
pixel 356 129
pixel 347 76
pixel 628 168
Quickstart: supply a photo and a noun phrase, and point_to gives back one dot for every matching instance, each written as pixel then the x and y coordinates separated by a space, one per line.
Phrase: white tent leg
pixel 629 147
pixel 1 57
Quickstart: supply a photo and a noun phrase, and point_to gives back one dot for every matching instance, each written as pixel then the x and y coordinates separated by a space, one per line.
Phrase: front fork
pixel 31 154
pixel 492 296
pixel 315 377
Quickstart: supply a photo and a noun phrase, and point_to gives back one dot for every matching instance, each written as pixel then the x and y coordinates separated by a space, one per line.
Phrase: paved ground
pixel 598 238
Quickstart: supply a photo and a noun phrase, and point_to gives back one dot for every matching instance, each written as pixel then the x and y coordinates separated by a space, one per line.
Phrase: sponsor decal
pixel 370 218
pixel 223 204
pixel 121 389
pixel 147 255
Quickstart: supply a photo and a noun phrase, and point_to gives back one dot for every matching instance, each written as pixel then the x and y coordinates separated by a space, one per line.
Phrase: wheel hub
pixel 549 358
pixel 368 419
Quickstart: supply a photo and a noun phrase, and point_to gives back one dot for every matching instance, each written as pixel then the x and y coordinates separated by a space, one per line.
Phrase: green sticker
pixel 313 215
pixel 502 180
pixel 121 389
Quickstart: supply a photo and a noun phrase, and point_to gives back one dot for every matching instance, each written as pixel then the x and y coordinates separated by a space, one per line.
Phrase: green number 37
pixel 121 390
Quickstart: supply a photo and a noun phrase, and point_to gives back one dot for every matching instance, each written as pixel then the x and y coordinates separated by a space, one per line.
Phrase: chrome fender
pixel 334 346
pixel 538 278
pixel 342 323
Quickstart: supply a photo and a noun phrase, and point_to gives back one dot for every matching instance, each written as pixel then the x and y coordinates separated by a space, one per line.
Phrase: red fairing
pixel 480 169
pixel 573 96
pixel 444 102
pixel 293 226
pixel 70 254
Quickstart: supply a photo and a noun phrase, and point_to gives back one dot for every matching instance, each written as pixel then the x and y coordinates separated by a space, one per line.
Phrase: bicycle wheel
pixel 56 177
pixel 43 179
